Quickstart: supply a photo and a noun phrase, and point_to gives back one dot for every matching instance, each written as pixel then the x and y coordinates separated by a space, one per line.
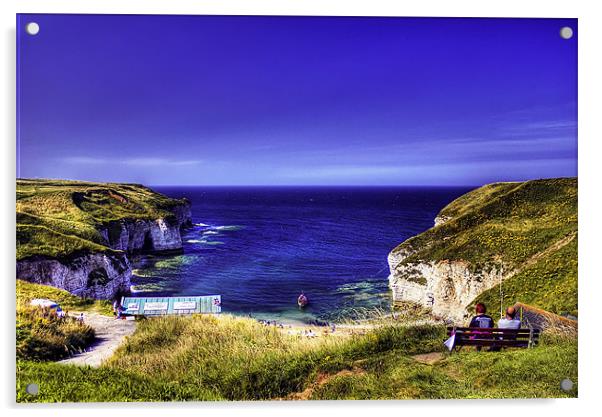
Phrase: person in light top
pixel 509 322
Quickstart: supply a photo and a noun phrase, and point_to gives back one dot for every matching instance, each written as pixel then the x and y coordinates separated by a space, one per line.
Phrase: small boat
pixel 302 300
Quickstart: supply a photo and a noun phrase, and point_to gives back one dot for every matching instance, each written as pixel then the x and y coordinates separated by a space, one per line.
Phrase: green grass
pixel 204 358
pixel 476 198
pixel 549 284
pixel 57 218
pixel 69 383
pixel 521 220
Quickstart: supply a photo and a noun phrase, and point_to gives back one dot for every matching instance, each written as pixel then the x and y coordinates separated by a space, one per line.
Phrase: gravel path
pixel 109 335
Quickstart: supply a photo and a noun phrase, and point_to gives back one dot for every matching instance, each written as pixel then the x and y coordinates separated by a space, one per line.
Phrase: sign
pixel 160 306
pixel 155 306
pixel 184 305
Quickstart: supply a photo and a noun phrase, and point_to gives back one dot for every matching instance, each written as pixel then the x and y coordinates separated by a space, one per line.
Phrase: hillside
pixel 229 358
pixel 56 217
pixel 78 235
pixel 521 234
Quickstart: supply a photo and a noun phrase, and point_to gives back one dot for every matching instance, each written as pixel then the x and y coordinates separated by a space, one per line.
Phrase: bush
pixel 43 336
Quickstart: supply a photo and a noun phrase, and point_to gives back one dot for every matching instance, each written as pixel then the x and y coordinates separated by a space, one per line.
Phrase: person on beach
pixel 510 321
pixel 120 311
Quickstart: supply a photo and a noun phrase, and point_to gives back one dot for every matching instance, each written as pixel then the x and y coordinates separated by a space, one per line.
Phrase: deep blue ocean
pixel 260 247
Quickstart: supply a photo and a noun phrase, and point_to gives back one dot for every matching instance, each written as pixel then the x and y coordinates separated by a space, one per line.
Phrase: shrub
pixel 42 335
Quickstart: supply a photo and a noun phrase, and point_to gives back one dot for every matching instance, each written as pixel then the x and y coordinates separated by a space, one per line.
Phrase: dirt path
pixel 429 358
pixel 322 379
pixel 109 335
pixel 341 330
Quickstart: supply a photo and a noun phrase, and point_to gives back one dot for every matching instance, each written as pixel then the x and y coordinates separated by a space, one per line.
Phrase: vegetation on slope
pixel 56 217
pixel 206 358
pixel 550 284
pixel 509 225
pixel 525 373
pixel 41 334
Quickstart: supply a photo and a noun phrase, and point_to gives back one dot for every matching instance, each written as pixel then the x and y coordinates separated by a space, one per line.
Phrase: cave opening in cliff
pixel 148 243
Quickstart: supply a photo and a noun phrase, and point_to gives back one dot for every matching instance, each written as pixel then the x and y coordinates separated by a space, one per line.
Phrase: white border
pixel 590 135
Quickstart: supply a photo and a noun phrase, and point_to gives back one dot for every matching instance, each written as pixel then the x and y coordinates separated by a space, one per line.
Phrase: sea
pixel 260 247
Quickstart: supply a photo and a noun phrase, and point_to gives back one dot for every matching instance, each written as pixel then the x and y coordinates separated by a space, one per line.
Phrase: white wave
pixel 201 224
pixel 210 232
pixel 205 242
pixel 233 227
pixel 145 288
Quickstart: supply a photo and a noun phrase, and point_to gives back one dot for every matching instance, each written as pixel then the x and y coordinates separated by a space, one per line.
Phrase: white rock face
pixel 143 235
pixel 96 275
pixel 446 287
pixel 439 220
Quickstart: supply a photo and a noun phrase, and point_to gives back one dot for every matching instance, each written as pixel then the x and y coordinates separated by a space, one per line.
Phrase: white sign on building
pixel 184 305
pixel 155 306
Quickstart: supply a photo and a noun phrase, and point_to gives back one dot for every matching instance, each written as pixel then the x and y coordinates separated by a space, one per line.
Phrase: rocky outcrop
pixel 183 213
pixel 446 287
pixel 440 219
pixel 93 275
pixel 159 235
pixel 103 275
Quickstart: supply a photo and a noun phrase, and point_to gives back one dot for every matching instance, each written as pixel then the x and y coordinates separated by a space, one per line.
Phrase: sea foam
pixel 229 228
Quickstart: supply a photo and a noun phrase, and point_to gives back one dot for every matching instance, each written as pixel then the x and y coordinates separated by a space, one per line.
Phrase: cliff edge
pixel 78 236
pixel 520 236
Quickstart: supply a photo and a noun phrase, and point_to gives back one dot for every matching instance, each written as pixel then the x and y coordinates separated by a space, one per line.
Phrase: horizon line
pixel 299 185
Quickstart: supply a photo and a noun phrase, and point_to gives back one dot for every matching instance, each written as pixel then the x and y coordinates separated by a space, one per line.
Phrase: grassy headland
pixel 529 229
pixel 57 217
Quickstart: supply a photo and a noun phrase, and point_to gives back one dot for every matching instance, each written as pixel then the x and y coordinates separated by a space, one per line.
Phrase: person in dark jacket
pixel 481 320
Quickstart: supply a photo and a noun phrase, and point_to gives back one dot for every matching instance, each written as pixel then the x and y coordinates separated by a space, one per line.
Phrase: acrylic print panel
pixel 295 208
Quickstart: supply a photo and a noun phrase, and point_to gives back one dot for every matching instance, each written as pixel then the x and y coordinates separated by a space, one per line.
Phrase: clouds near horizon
pixel 234 100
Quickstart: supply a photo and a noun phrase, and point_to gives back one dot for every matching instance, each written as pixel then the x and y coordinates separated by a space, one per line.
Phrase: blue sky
pixel 218 100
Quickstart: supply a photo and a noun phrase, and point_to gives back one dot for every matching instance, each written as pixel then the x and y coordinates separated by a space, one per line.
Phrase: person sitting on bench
pixel 481 320
pixel 509 322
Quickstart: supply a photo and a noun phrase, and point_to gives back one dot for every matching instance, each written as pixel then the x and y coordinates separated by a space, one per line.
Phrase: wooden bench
pixel 493 338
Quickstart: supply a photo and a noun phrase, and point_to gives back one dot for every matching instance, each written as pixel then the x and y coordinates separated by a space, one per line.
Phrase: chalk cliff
pixel 92 275
pixel 509 234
